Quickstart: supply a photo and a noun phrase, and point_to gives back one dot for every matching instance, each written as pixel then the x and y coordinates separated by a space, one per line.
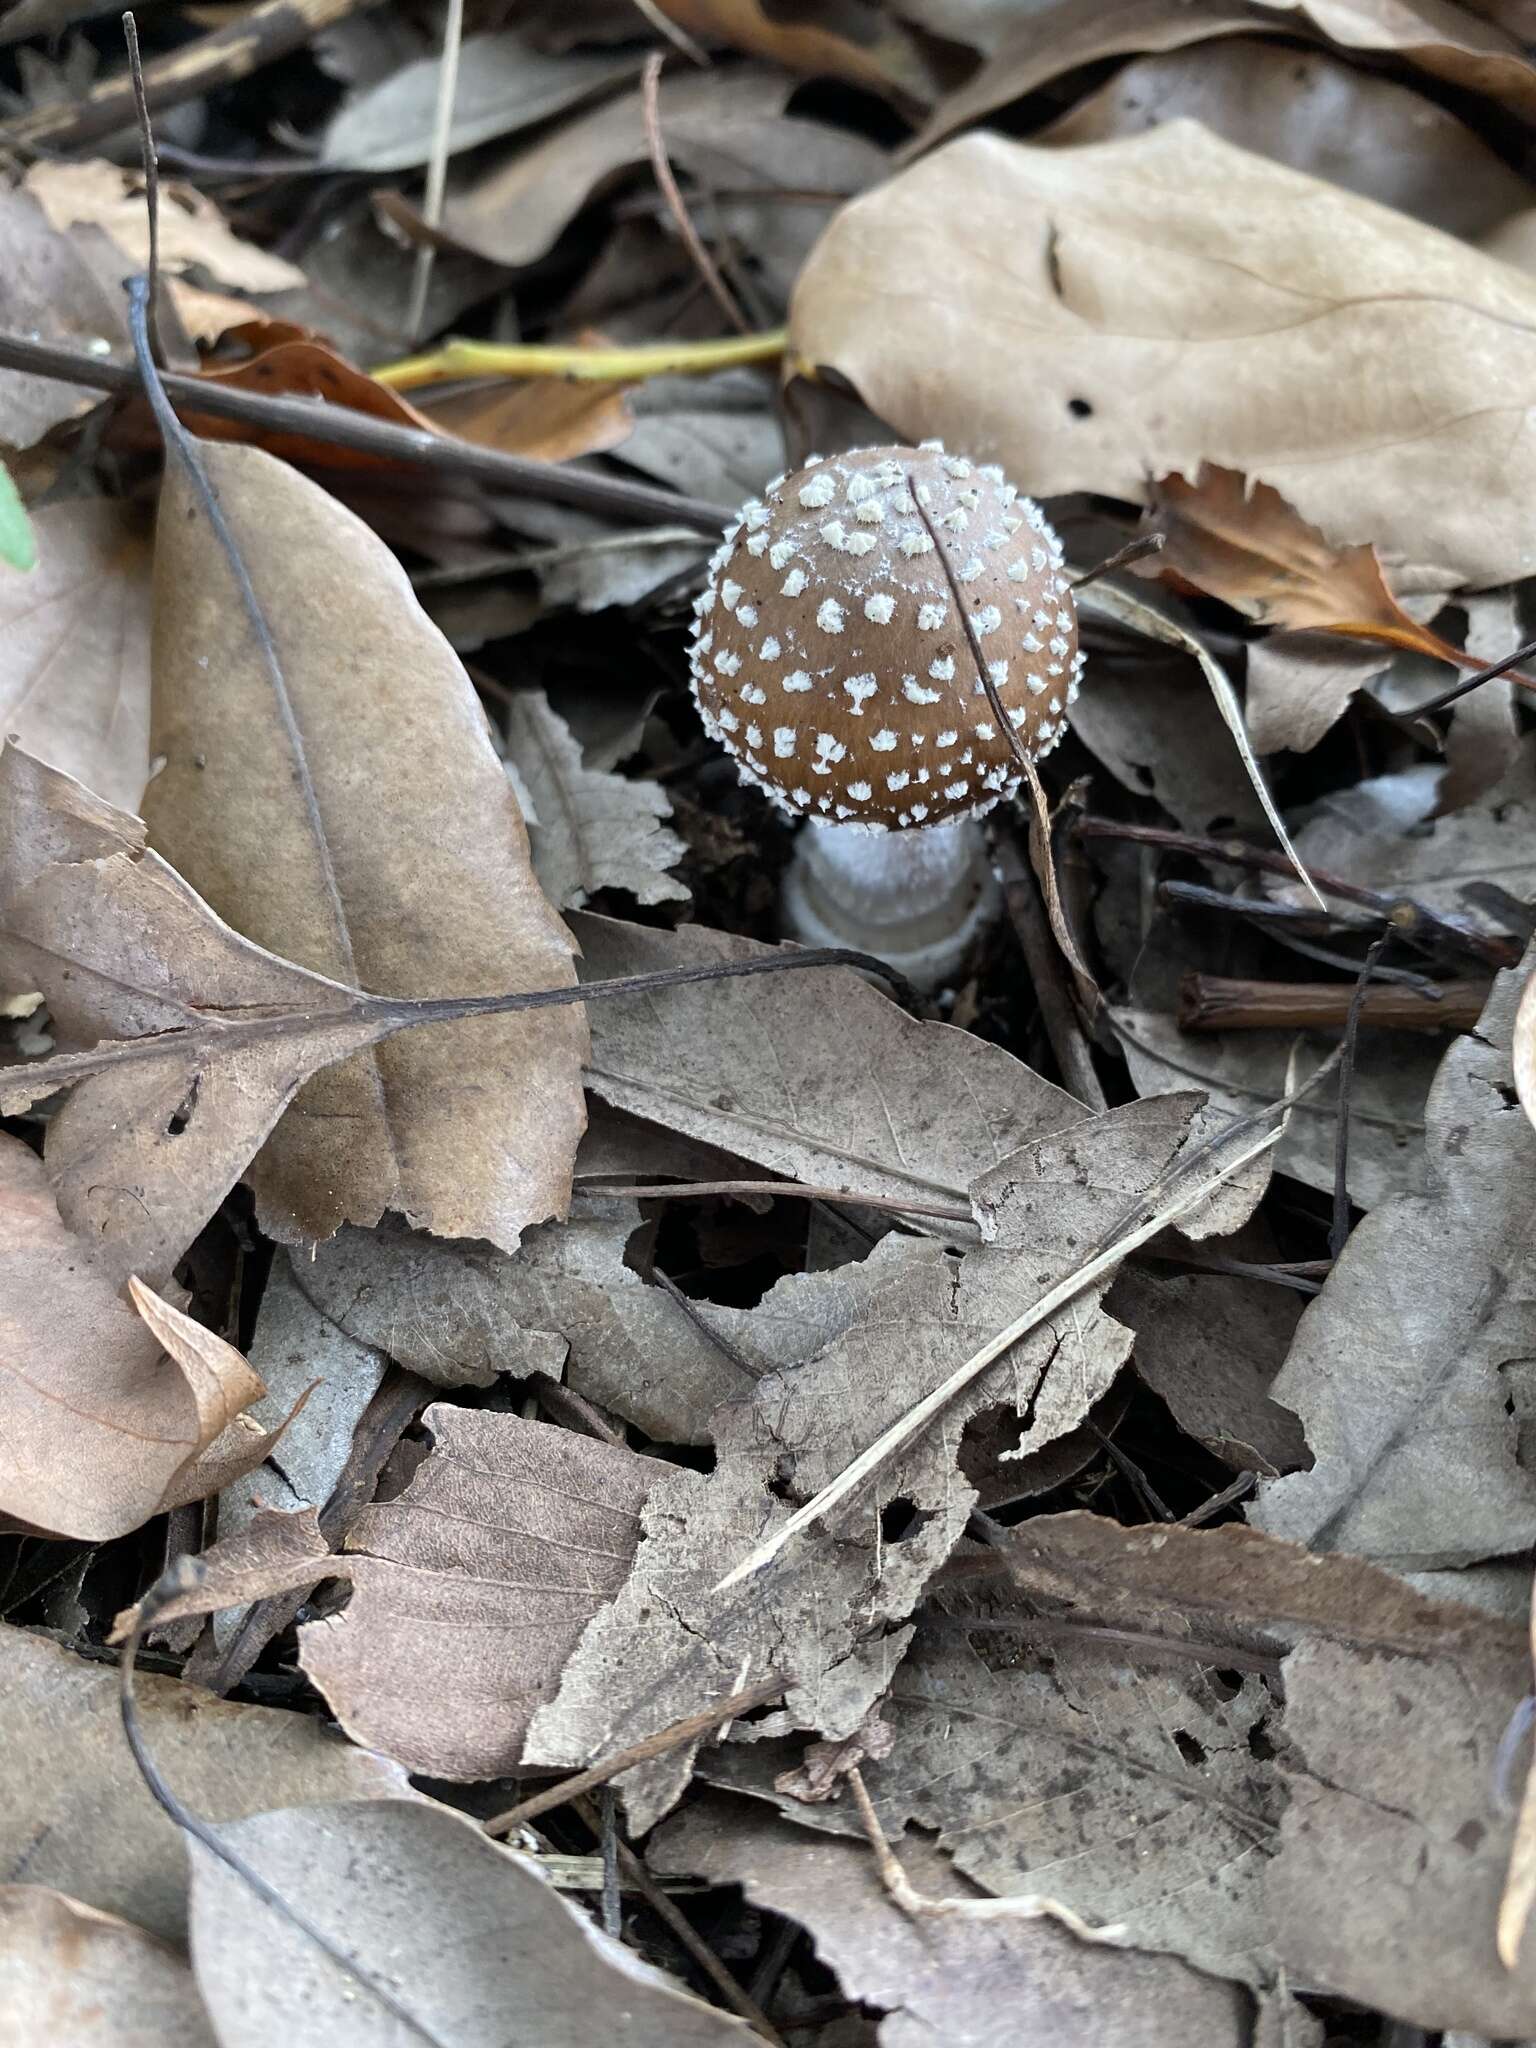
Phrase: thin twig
pixel 151 163
pixel 338 426
pixel 1484 675
pixel 689 1729
pixel 575 1410
pixel 690 1309
pixel 437 165
pixel 692 1190
pixel 655 142
pixel 1134 551
pixel 1218 1002
pixel 1042 957
pixel 687 1936
pixel 1338 1230
pixel 664 25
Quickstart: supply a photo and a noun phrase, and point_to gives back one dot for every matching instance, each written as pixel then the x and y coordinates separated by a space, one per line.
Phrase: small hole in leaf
pixel 1192 1752
pixel 898 1519
pixel 1226 1684
pixel 1260 1747
pixel 1080 408
pixel 182 1115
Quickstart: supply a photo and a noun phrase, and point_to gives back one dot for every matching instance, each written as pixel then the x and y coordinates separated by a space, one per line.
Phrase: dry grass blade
pixel 917 1417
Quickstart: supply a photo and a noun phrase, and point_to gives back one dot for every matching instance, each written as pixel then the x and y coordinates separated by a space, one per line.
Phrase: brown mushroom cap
pixel 831 655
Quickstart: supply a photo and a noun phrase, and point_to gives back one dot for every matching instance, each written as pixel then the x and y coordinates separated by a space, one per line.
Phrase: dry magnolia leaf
pixel 1308 109
pixel 462 1936
pixel 101 1430
pixel 75 686
pixel 590 830
pixel 74 1811
pixel 829 1614
pixel 82 1979
pixel 94 193
pixel 1433 1303
pixel 471 1588
pixel 1176 259
pixel 337 799
pixel 989 1985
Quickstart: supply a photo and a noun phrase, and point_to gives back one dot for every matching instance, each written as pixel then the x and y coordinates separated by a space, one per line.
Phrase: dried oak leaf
pixel 1255 300
pixel 107 1416
pixel 1433 1305
pixel 462 1935
pixel 590 829
pixel 84 1979
pixel 75 686
pixel 989 1984
pixel 1351 1838
pixel 336 798
pixel 471 1588
pixel 829 1615
pixel 74 1811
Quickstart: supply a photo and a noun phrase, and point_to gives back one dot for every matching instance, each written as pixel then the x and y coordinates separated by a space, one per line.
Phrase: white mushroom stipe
pixel 850 568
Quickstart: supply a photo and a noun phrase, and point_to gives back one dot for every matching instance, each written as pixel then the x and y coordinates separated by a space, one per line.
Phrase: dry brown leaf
pixel 829 1614
pixel 76 1978
pixel 863 46
pixel 94 193
pixel 551 421
pixel 49 291
pixel 466 1936
pixel 1445 42
pixel 471 1588
pixel 75 686
pixel 1258 301
pixel 1483 744
pixel 274 1553
pixel 74 1811
pixel 1433 1304
pixel 950 1980
pixel 340 802
pixel 101 1429
pixel 590 829
pixel 1308 109
pixel 1301 684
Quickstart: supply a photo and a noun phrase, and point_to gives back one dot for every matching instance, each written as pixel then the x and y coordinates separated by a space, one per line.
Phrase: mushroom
pixel 838 655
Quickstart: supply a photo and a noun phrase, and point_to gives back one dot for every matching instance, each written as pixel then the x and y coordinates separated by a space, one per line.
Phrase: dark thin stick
pixel 1484 675
pixel 1284 923
pixel 703 262
pixel 1217 1002
pixel 693 1190
pixel 1207 1511
pixel 682 1929
pixel 1299 1278
pixel 181 1579
pixel 575 1410
pixel 1134 551
pixel 518 475
pixel 151 163
pixel 689 1729
pixel 690 1309
pixel 1411 919
pixel 1042 957
pixel 1338 1230
pixel 608 1840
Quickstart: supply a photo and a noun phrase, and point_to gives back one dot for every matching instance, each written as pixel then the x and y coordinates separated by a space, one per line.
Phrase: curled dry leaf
pixel 1177 259
pixel 1433 1303
pixel 590 829
pixel 471 1588
pixel 456 1932
pixel 107 1417
pixel 75 685
pixel 84 1979
pixel 950 1979
pixel 338 800
pixel 829 1614
pixel 74 1811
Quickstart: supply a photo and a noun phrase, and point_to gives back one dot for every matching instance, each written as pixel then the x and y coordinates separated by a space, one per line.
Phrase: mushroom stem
pixel 916 898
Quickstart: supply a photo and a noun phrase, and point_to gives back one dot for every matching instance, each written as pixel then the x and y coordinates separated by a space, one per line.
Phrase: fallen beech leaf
pixel 83 1979
pixel 272 1554
pixel 1433 1303
pixel 1257 1833
pixel 952 1979
pixel 462 1935
pixel 94 193
pixel 75 686
pixel 590 830
pixel 74 1811
pixel 505 85
pixel 831 1608
pixel 100 1430
pixel 338 801
pixel 1308 109
pixel 471 1588
pixel 1176 261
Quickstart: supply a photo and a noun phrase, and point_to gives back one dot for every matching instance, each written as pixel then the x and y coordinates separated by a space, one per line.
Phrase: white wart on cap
pixel 831 654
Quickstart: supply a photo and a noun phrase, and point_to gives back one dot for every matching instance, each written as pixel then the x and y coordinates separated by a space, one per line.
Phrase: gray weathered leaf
pixel 77 1978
